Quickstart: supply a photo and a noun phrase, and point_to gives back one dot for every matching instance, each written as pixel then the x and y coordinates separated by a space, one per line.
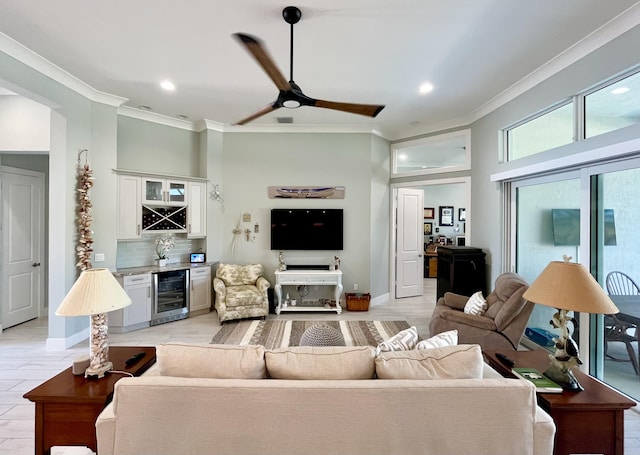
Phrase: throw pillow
pixel 450 362
pixel 324 363
pixel 476 304
pixel 216 361
pixel 401 341
pixel 448 338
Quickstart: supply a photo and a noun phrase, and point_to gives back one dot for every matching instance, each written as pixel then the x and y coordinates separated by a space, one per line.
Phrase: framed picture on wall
pixel 429 213
pixel 446 215
pixel 462 214
pixel 428 228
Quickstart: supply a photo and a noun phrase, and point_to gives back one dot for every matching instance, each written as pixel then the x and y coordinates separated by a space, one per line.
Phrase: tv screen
pixel 566 227
pixel 306 229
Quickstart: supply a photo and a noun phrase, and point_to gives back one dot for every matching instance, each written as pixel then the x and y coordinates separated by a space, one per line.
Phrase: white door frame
pixel 393 207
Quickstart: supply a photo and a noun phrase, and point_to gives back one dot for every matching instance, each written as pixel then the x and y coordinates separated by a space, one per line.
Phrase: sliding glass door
pixel 592 215
pixel 546 229
pixel 615 244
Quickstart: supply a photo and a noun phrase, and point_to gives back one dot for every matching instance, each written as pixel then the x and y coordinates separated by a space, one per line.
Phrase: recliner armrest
pixel 455 301
pixel 460 317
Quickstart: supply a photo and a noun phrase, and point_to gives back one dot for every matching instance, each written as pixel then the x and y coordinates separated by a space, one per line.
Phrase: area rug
pixel 274 333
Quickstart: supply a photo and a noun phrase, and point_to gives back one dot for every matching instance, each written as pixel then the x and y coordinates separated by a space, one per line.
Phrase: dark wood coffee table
pixel 591 421
pixel 67 406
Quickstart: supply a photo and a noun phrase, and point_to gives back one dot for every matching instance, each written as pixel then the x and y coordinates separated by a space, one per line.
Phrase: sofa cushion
pixel 326 362
pixel 476 304
pixel 243 295
pixel 216 361
pixel 403 340
pixel 448 338
pixel 450 362
pixel 236 275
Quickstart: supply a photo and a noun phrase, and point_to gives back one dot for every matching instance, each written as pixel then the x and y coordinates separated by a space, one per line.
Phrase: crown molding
pixel 26 56
pixel 127 111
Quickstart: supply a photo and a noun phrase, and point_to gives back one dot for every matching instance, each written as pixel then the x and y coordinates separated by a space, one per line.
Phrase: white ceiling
pixel 477 53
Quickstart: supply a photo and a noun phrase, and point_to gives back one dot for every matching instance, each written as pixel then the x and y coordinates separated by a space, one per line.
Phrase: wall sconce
pixel 216 195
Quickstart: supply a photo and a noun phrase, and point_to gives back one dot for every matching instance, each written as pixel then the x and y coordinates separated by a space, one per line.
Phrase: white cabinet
pixel 165 192
pixel 197 210
pixel 129 210
pixel 200 289
pixel 138 314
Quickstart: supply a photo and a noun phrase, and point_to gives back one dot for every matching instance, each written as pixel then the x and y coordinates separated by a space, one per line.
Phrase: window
pixel 613 106
pixel 442 153
pixel 551 129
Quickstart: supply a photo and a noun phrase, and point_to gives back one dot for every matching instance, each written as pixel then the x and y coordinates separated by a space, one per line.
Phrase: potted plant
pixel 163 245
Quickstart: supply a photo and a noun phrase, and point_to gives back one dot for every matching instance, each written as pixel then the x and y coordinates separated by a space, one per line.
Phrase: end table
pixel 591 421
pixel 68 405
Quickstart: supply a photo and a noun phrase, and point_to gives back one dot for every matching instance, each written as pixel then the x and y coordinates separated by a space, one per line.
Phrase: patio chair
pixel 615 330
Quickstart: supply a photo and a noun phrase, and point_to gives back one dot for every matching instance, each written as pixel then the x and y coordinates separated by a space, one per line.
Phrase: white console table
pixel 308 278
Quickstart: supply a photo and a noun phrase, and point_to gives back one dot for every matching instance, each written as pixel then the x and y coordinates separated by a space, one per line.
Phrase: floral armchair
pixel 241 292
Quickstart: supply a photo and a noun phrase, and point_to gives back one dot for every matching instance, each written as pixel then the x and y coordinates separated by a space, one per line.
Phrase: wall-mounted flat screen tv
pixel 306 229
pixel 566 227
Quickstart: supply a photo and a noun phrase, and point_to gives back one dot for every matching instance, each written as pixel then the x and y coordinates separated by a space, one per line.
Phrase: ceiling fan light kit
pixel 290 95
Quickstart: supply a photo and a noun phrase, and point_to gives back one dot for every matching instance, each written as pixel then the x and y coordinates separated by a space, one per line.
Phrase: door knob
pixel 35 264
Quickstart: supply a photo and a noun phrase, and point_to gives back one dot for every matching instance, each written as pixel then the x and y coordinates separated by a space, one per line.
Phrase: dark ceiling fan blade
pixel 370 110
pixel 265 110
pixel 255 47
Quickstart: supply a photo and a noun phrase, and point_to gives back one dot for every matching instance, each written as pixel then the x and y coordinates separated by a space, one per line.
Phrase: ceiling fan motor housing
pixel 291 15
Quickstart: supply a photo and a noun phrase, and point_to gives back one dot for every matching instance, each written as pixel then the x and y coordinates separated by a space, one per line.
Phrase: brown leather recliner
pixel 502 325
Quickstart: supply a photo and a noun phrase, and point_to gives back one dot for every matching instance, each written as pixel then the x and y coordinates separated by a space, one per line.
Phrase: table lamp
pixel 567 286
pixel 95 293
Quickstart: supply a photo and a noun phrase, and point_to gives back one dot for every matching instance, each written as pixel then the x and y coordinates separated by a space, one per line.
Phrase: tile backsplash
pixel 142 252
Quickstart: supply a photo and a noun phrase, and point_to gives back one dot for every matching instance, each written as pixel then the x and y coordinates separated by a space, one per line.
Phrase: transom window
pixel 612 105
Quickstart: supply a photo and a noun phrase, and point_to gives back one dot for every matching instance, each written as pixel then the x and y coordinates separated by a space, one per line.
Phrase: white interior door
pixel 22 238
pixel 409 243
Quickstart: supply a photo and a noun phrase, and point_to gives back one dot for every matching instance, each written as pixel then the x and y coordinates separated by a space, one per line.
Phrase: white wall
pixel 252 162
pixel 24 125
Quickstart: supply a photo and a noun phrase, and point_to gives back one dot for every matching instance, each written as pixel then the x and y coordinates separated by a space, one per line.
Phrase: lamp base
pixel 563 377
pixel 98 372
pixel 566 354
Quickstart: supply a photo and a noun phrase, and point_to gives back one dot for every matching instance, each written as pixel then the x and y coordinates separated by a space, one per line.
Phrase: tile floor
pixel 26 363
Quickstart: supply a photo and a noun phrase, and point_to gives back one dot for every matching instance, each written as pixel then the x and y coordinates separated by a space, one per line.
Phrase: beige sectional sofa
pixel 229 400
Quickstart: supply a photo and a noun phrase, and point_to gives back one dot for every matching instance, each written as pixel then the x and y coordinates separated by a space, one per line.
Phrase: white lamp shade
pixel 569 286
pixel 95 291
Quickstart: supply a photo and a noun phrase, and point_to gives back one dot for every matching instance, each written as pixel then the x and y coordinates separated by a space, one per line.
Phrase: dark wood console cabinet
pixel 461 269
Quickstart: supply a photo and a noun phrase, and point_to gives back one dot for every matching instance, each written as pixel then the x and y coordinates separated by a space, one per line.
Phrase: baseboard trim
pixel 62 344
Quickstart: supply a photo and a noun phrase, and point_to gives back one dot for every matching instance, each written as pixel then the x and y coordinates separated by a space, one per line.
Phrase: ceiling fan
pixel 290 94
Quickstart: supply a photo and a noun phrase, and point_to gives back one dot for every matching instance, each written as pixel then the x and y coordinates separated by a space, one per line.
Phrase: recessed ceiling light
pixel 425 87
pixel 182 117
pixel 144 108
pixel 414 123
pixel 620 90
pixel 167 85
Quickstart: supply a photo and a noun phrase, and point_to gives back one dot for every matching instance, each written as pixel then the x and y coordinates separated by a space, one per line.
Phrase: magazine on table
pixel 543 384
